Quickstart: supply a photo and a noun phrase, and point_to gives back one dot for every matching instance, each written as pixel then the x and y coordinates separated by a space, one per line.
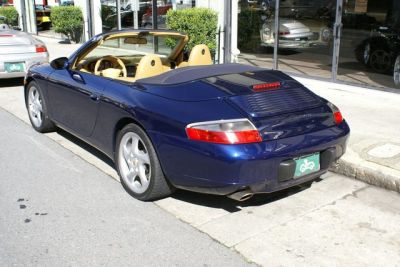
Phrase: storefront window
pixel 255 36
pixel 109 15
pixel 370 42
pixel 162 9
pixel 305 36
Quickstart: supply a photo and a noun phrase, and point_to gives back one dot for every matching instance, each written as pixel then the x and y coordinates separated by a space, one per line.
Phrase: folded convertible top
pixel 187 74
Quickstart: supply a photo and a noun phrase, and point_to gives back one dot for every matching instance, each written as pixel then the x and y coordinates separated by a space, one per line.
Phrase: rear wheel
pixel 138 165
pixel 380 61
pixel 37 109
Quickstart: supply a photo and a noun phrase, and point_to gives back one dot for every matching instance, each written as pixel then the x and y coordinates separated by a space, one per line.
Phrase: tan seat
pixel 149 65
pixel 200 55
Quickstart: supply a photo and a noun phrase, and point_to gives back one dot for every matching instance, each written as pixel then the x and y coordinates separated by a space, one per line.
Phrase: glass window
pixel 135 45
pixel 305 36
pixel 162 9
pixel 370 43
pixel 109 15
pixel 255 37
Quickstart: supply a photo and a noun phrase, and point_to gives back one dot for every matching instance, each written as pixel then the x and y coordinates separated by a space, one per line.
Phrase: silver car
pixel 293 34
pixel 19 51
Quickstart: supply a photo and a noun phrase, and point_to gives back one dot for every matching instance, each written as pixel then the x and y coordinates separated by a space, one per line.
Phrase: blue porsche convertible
pixel 170 119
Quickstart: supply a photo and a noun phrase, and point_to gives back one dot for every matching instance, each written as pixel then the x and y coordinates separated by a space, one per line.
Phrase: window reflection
pixel 370 42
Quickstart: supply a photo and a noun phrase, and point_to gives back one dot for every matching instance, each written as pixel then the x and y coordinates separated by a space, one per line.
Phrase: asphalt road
pixel 58 210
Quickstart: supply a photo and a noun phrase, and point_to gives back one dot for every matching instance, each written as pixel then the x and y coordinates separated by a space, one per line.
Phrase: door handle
pixel 77 77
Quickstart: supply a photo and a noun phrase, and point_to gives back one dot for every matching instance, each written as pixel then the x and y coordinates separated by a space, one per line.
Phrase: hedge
pixel 67 20
pixel 200 24
pixel 11 15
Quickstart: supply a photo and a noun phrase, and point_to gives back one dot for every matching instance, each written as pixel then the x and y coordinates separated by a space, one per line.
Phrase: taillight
pixel 284 33
pixel 41 49
pixel 239 131
pixel 266 86
pixel 337 115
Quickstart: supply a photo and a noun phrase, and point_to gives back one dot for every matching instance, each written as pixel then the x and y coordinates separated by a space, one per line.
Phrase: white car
pixel 292 34
pixel 19 51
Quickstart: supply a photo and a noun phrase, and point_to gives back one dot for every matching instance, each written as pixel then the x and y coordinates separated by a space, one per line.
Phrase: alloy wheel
pixel 380 61
pixel 134 163
pixel 35 106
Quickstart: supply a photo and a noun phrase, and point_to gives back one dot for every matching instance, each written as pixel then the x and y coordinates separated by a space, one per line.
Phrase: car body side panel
pixel 74 103
pixel 153 113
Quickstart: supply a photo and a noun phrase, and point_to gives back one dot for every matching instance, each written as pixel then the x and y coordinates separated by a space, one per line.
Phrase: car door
pixel 74 99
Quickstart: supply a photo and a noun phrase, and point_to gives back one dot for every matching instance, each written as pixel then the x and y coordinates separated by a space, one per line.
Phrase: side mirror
pixel 59 63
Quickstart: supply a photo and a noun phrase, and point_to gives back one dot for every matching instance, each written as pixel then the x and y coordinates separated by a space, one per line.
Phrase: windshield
pixel 134 46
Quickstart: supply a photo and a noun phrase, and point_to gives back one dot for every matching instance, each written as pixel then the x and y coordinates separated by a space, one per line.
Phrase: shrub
pixel 68 20
pixel 11 15
pixel 200 24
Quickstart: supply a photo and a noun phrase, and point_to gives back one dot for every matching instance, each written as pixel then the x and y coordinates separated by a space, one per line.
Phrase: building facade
pixel 354 41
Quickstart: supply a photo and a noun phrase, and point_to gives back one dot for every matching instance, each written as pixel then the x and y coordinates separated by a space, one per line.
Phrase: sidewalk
pixel 373 152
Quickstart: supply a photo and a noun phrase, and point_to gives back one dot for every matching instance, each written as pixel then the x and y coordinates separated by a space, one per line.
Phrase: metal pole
pixel 337 32
pixel 154 12
pixel 135 8
pixel 276 31
pixel 89 21
pixel 219 46
pixel 228 32
pixel 118 14
pixel 23 16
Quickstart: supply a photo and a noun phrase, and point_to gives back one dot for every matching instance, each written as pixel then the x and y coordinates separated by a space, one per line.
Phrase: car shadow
pixel 230 205
pixel 92 150
pixel 206 200
pixel 11 82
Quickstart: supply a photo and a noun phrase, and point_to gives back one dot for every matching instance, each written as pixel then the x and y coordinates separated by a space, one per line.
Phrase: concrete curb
pixel 351 165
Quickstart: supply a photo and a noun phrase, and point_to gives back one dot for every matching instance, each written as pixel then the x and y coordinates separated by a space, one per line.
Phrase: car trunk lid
pixel 12 42
pixel 283 108
pixel 287 110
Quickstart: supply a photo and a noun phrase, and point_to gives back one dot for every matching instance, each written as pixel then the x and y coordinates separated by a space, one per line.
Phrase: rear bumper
pixel 28 59
pixel 224 169
pixel 294 44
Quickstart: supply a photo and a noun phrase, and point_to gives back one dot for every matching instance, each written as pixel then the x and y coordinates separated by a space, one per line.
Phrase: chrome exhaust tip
pixel 241 195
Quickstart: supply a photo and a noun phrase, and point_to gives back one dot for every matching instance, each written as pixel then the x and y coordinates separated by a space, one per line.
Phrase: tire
pixel 366 53
pixel 37 109
pixel 380 60
pixel 396 72
pixel 138 165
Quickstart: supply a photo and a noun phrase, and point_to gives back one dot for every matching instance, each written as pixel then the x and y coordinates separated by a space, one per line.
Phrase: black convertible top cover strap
pixel 188 74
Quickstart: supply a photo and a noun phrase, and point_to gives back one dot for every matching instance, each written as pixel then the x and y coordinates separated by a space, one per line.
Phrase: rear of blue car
pixel 260 132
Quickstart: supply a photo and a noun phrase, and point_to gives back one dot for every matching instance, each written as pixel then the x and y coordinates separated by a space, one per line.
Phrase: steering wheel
pixel 115 61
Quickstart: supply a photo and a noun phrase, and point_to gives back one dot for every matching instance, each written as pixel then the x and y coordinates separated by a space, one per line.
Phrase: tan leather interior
pixel 126 79
pixel 200 55
pixel 111 73
pixel 149 65
pixel 166 68
pixel 117 62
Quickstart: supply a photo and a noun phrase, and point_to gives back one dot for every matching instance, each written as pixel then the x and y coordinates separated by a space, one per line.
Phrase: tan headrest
pixel 200 55
pixel 149 65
